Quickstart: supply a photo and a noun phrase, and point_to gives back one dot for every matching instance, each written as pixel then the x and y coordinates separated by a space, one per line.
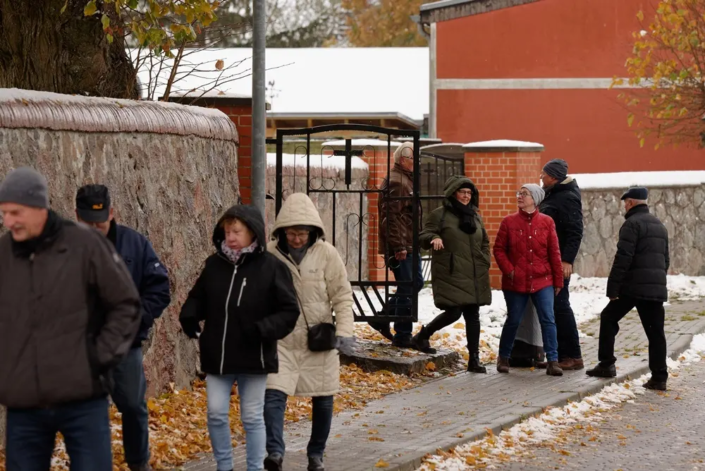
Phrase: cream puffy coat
pixel 321 282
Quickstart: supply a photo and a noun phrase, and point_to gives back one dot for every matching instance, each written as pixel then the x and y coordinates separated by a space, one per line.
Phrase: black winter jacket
pixel 246 306
pixel 642 260
pixel 563 204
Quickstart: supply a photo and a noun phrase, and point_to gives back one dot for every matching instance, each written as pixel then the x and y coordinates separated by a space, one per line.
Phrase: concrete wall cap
pixel 361 144
pixel 46 110
pixel 503 145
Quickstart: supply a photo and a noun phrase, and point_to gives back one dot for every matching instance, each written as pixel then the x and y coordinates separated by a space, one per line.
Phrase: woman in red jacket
pixel 527 252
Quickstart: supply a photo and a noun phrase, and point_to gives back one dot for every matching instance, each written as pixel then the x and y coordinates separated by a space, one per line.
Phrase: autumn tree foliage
pixel 382 23
pixel 665 89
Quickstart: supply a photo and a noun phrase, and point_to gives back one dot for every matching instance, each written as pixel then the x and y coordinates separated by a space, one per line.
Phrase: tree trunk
pixel 44 49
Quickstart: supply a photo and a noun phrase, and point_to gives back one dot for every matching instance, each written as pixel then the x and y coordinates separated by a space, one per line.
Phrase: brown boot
pixel 553 369
pixel 503 365
pixel 571 364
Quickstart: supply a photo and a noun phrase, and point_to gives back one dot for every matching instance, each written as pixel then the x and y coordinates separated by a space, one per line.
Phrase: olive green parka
pixel 460 270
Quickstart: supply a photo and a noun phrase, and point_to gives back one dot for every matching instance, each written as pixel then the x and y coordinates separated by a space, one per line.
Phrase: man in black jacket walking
pixel 563 204
pixel 637 279
pixel 93 207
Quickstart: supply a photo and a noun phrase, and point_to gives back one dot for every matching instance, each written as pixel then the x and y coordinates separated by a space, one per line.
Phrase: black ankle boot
pixel 474 365
pixel 421 342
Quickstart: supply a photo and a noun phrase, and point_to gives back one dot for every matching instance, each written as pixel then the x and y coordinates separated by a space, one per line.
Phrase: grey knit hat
pixel 536 191
pixel 556 168
pixel 25 186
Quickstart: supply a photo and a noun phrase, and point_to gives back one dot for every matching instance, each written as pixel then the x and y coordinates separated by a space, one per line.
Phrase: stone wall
pixel 682 210
pixel 348 215
pixel 171 169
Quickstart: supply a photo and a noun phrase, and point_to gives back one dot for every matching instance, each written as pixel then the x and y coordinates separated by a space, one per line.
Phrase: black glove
pixel 191 328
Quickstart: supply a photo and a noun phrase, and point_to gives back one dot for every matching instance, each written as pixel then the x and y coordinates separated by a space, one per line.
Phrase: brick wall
pixel 242 117
pixel 498 172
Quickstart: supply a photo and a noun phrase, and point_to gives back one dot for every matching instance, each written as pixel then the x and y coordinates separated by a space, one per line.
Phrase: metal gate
pixel 344 203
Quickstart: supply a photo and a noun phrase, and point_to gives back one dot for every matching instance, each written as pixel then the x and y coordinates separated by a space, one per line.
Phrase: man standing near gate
pixel 396 236
pixel 563 204
pixel 93 207
pixel 637 279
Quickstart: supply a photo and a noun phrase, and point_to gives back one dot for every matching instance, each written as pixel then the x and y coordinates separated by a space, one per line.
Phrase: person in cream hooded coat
pixel 322 285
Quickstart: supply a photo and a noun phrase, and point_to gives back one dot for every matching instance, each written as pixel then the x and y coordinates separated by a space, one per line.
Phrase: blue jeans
pixel 85 425
pixel 404 271
pixel 568 337
pixel 274 408
pixel 251 389
pixel 130 387
pixel 516 305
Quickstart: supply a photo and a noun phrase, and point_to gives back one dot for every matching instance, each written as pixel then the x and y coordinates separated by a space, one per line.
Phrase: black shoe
pixel 405 342
pixel 139 467
pixel 384 330
pixel 315 464
pixel 602 371
pixel 474 365
pixel 273 462
pixel 421 342
pixel 655 385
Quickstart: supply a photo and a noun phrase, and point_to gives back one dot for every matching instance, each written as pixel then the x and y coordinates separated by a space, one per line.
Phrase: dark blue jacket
pixel 148 273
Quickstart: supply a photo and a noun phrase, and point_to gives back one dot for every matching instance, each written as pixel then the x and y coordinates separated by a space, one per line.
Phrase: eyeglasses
pixel 523 194
pixel 301 235
pixel 465 192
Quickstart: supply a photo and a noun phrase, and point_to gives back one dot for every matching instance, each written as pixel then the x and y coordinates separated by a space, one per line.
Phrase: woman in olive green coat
pixel 460 265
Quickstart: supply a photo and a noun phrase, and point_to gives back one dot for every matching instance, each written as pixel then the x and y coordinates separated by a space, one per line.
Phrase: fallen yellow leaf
pixel 382 464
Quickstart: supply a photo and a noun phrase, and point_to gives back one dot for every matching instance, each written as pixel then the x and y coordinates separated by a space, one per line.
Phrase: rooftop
pixel 445 10
pixel 318 80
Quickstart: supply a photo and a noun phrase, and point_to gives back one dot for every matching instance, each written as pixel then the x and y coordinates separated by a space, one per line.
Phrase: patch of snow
pixel 316 161
pixel 317 80
pixel 9 95
pixel 502 143
pixel 549 425
pixel 623 180
pixel 643 33
pixel 587 298
pixel 361 143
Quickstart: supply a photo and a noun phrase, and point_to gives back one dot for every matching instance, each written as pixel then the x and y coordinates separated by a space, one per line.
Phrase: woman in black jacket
pixel 247 299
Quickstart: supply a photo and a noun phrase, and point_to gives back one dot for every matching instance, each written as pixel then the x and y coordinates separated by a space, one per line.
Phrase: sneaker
pixel 274 462
pixel 602 371
pixel 655 385
pixel 315 464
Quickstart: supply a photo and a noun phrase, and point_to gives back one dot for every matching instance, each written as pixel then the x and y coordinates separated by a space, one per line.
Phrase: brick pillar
pixel 239 110
pixel 499 168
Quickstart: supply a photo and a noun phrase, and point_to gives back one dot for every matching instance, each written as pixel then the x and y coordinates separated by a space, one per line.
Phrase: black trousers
pixel 471 313
pixel 652 315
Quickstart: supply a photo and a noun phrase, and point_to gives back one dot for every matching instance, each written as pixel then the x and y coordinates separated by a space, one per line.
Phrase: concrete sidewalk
pixel 402 428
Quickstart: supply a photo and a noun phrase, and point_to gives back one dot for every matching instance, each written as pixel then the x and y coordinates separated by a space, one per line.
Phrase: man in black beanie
pixel 637 279
pixel 70 313
pixel 564 205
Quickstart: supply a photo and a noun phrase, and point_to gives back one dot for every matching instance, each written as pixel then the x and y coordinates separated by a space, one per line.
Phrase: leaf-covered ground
pixel 177 419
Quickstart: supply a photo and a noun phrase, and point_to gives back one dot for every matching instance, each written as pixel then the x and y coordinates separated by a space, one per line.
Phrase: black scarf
pixel 51 230
pixel 466 213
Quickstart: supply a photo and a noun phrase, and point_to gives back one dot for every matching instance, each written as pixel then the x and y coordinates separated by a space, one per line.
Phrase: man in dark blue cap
pixel 637 279
pixel 93 207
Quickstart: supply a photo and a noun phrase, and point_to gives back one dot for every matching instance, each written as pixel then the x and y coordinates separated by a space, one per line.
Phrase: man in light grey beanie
pixel 536 191
pixel 70 313
pixel 25 186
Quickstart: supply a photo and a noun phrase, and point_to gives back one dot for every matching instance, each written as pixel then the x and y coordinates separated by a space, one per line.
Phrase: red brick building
pixel 540 70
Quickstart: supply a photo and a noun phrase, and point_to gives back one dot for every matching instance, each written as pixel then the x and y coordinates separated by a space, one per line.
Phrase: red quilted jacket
pixel 527 244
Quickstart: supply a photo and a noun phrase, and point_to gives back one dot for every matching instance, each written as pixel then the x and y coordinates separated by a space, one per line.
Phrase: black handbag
pixel 321 337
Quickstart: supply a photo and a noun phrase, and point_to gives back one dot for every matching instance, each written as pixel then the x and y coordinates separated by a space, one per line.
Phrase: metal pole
pixel 259 104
